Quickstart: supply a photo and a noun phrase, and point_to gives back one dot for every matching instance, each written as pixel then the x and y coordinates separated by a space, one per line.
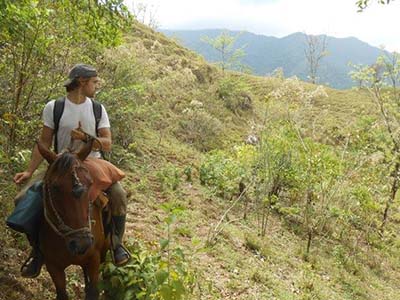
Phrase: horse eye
pixel 55 188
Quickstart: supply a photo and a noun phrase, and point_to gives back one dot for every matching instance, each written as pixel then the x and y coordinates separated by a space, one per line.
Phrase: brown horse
pixel 72 232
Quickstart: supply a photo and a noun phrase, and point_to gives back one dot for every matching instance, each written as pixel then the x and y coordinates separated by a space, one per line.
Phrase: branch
pixel 216 230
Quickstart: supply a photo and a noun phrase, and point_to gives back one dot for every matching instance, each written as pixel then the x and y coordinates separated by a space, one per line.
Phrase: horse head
pixel 67 206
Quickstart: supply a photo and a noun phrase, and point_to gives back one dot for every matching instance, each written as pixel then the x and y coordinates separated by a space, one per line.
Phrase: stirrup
pixel 125 261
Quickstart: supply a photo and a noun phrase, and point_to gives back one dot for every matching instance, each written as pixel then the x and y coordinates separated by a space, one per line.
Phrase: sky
pixel 378 25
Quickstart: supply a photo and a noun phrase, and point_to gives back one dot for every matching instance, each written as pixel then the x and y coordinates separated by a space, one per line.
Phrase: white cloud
pixel 377 25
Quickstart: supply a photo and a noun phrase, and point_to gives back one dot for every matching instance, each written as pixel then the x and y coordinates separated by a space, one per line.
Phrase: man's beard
pixel 90 95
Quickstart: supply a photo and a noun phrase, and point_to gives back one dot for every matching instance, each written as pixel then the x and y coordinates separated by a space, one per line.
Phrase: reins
pixel 59 225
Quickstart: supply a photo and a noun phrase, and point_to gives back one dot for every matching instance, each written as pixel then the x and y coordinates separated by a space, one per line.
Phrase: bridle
pixel 58 225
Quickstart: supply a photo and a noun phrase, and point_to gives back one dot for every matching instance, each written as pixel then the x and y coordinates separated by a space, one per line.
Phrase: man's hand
pixel 79 134
pixel 21 177
pixel 76 134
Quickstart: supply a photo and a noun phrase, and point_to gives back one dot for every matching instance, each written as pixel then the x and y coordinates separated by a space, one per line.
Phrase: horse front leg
pixel 91 273
pixel 58 277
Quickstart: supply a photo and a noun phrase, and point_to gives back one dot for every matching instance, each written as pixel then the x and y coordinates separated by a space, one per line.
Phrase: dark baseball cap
pixel 80 70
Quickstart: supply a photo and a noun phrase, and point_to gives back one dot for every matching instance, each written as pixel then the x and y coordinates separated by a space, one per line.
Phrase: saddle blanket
pixel 103 173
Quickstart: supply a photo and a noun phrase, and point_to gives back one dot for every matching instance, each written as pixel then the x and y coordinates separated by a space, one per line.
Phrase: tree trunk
pixel 308 223
pixel 390 200
pixel 15 115
pixel 309 240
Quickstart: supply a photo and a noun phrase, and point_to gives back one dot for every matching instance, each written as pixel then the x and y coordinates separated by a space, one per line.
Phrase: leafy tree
pixel 275 172
pixel 235 93
pixel 358 74
pixel 40 40
pixel 224 45
pixel 307 171
pixel 382 80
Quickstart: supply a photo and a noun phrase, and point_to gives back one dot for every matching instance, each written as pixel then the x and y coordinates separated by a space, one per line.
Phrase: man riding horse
pixel 72 120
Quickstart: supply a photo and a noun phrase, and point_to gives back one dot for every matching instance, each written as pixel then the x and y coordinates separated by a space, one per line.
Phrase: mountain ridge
pixel 265 53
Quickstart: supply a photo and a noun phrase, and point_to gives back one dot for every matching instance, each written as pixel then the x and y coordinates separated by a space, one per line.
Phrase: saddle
pixel 103 173
pixel 28 212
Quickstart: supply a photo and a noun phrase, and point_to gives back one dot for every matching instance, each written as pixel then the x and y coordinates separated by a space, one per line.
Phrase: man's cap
pixel 80 70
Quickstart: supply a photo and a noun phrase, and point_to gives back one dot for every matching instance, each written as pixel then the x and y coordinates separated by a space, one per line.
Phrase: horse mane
pixel 60 166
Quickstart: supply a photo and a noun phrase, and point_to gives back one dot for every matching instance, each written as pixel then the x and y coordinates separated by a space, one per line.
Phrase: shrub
pixel 294 91
pixel 220 173
pixel 169 177
pixel 122 105
pixel 199 128
pixel 223 172
pixel 162 275
pixel 235 93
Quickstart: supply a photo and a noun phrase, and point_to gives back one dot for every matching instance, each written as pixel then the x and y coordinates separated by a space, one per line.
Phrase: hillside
pixel 179 128
pixel 264 54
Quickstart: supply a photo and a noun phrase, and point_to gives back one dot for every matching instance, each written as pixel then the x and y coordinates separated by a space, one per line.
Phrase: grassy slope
pixel 240 265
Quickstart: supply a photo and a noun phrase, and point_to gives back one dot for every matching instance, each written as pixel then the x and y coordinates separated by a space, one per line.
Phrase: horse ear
pixel 47 154
pixel 85 150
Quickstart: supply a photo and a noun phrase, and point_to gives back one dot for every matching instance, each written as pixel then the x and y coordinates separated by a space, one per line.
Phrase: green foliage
pixel 140 279
pixel 223 172
pixel 235 93
pixel 164 275
pixel 315 175
pixel 294 93
pixel 20 160
pixel 382 80
pixel 123 104
pixel 369 137
pixel 169 177
pixel 220 173
pixel 304 171
pixel 344 259
pixel 188 173
pixel 40 40
pixel 224 44
pixel 360 74
pixel 365 199
pixel 275 172
pixel 199 128
pixel 276 163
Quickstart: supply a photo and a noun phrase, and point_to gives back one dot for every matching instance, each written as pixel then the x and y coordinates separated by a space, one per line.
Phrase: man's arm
pixel 104 139
pixel 46 138
pixel 102 142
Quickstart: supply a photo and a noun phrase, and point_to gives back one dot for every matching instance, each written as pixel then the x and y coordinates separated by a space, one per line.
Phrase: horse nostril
pixel 73 246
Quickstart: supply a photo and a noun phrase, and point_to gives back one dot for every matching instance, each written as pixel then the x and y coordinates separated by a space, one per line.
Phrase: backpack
pixel 59 109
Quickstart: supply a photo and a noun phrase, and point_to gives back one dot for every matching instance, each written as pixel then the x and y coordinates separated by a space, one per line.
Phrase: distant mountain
pixel 264 54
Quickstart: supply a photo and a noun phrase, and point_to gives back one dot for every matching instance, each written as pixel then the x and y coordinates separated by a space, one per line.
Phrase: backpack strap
pixel 58 110
pixel 97 111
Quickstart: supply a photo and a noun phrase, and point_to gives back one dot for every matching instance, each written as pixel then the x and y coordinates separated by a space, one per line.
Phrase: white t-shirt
pixel 72 115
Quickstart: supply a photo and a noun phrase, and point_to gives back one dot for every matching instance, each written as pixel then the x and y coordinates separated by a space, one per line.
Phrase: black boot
pixel 32 266
pixel 120 253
